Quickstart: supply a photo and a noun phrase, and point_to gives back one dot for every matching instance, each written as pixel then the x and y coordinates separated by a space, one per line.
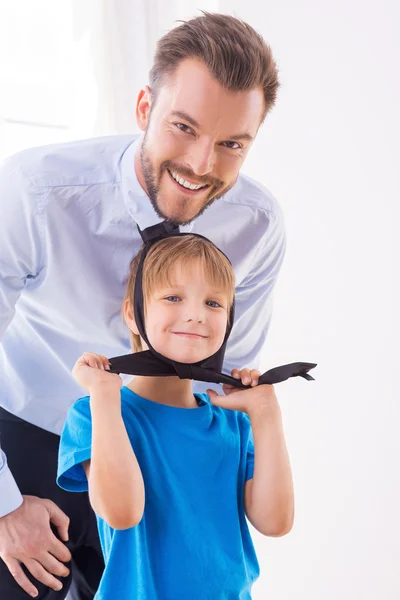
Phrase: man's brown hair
pixel 182 251
pixel 235 54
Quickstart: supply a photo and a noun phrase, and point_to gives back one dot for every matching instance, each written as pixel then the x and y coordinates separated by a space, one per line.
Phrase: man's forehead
pixel 193 95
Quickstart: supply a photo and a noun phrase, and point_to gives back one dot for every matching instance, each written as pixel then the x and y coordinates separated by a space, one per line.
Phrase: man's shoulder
pixel 81 162
pixel 249 192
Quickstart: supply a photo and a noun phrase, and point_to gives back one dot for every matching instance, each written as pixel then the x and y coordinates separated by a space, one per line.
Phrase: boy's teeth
pixel 186 184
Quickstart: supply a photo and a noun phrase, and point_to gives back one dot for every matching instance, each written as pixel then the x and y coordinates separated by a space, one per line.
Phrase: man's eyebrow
pixel 182 115
pixel 245 137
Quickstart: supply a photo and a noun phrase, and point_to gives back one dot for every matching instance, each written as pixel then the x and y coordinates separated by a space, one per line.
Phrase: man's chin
pixel 183 216
pixel 180 217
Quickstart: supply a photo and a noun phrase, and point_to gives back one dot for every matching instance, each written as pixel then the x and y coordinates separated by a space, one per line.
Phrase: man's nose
pixel 202 157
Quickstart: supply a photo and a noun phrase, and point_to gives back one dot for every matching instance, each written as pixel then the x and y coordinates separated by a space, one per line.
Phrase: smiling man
pixel 197 135
pixel 68 231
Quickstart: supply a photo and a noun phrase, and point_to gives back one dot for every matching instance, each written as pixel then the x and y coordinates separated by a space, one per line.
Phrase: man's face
pixel 197 135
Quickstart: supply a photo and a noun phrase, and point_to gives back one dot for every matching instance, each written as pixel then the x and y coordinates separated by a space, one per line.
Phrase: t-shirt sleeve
pixel 248 437
pixel 75 447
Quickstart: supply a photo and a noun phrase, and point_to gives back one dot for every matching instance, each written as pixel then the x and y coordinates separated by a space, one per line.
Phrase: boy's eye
pixel 172 298
pixel 214 304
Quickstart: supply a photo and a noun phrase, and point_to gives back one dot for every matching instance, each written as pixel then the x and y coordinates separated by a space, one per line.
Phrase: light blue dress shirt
pixel 68 231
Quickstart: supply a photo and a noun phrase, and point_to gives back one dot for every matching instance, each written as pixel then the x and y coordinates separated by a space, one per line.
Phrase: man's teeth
pixel 186 184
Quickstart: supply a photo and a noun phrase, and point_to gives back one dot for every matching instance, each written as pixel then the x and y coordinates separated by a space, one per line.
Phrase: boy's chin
pixel 184 357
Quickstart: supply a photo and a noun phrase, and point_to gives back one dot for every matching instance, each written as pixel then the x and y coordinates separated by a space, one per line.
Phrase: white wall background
pixel 329 153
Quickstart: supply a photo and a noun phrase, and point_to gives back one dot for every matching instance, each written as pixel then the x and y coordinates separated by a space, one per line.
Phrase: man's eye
pixel 184 128
pixel 232 145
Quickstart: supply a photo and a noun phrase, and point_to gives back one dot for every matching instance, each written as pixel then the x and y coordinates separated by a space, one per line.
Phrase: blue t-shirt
pixel 193 541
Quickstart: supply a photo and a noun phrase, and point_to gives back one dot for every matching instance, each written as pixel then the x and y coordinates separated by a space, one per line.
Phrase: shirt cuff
pixel 10 496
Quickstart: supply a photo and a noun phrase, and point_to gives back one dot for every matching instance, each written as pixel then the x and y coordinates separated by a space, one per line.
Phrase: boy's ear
pixel 129 317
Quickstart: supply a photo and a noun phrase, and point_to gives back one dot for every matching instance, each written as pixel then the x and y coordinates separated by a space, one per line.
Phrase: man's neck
pixel 170 391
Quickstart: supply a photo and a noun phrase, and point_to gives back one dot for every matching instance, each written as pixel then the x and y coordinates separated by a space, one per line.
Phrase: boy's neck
pixel 170 391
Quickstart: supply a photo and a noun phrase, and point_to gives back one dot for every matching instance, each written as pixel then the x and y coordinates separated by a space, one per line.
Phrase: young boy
pixel 171 475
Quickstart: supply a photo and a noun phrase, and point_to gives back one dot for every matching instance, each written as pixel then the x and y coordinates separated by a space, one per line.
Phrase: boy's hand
pixel 90 371
pixel 261 398
pixel 247 376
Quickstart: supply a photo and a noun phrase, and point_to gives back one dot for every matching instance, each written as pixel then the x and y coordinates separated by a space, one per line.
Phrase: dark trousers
pixel 32 457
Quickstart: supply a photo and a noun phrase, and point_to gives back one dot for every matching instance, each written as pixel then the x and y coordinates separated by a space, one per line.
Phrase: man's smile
pixel 186 186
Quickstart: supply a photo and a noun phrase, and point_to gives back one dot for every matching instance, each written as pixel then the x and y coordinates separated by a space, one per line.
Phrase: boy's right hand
pixel 90 371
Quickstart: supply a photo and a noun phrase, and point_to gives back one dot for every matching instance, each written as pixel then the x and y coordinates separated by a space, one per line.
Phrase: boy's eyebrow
pixel 246 137
pixel 167 287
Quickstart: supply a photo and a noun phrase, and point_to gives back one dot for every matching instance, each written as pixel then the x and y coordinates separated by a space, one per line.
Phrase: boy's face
pixel 187 321
pixel 196 131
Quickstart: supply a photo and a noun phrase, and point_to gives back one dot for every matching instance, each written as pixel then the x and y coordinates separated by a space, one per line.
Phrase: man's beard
pixel 152 185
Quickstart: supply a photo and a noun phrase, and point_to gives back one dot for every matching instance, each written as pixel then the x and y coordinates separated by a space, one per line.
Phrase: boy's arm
pixel 116 487
pixel 269 496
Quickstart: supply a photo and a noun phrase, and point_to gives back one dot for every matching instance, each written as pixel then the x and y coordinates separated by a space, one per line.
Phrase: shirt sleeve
pixel 248 436
pixel 10 496
pixel 253 303
pixel 20 259
pixel 75 447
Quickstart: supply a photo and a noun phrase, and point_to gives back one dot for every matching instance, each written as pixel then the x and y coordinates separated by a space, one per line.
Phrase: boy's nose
pixel 195 314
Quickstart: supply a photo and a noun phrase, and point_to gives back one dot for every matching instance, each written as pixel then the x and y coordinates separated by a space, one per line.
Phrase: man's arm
pixel 253 302
pixel 20 258
pixel 26 538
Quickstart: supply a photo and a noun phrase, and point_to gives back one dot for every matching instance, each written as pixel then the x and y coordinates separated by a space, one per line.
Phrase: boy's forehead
pixel 189 271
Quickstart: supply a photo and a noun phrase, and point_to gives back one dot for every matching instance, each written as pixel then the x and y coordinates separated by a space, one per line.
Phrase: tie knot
pixel 183 370
pixel 158 231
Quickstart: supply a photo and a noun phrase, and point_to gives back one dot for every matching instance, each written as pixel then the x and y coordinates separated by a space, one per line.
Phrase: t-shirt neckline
pixel 175 412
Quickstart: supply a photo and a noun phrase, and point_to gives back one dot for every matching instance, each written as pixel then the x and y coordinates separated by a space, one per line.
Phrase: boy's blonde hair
pixel 162 259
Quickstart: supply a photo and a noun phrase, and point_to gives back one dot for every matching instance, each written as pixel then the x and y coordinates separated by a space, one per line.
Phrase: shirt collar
pixel 136 200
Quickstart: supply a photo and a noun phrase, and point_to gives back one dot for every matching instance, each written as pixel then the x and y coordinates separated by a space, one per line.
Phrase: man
pixel 68 230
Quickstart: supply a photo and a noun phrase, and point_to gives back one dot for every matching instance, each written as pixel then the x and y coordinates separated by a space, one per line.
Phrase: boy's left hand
pixel 260 397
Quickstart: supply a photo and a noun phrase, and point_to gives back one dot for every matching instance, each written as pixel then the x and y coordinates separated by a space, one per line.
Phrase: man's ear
pixel 129 317
pixel 143 107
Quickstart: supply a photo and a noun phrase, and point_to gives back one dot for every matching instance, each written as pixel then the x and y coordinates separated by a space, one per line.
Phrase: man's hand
pixel 26 538
pixel 261 398
pixel 90 371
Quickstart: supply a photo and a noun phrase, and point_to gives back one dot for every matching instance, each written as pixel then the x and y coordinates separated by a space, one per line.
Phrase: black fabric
pixel 151 363
pixel 32 456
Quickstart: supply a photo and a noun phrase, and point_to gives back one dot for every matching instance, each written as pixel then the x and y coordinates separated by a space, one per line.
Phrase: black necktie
pixel 151 363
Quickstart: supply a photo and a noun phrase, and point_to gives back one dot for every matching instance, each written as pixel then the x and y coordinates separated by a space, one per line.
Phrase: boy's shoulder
pixel 80 410
pixel 238 417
